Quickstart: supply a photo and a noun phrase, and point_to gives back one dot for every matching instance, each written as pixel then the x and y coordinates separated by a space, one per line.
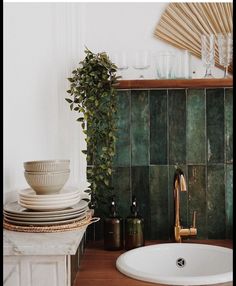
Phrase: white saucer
pixel 49 207
pixel 48 202
pixel 66 192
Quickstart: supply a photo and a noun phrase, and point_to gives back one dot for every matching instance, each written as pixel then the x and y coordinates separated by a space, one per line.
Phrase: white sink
pixel 178 264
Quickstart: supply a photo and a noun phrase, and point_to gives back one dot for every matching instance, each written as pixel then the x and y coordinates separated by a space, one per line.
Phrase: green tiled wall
pixel 160 129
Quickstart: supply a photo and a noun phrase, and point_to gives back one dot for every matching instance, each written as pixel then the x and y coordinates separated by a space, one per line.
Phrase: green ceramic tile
pixel 158 127
pixel 177 126
pixel 183 200
pixel 197 198
pixel 140 188
pixel 122 191
pixel 215 125
pixel 229 201
pixel 215 202
pixel 195 129
pixel 229 125
pixel 159 202
pixel 139 128
pixel 123 148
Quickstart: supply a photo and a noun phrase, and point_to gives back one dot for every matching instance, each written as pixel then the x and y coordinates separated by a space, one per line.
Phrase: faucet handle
pixel 194 219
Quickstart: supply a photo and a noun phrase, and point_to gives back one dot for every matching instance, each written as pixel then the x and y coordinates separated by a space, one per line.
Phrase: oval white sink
pixel 178 264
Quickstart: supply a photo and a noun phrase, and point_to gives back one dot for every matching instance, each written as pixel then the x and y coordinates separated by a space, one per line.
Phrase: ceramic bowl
pixel 47 183
pixel 47 165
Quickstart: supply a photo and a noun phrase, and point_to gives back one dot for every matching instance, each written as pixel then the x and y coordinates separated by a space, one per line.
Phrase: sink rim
pixel 223 277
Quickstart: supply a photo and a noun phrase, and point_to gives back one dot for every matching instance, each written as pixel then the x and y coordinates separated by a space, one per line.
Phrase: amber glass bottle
pixel 134 228
pixel 113 229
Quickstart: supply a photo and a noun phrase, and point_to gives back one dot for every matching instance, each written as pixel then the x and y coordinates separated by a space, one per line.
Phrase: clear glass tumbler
pixel 225 49
pixel 208 53
pixel 120 60
pixel 165 63
pixel 141 62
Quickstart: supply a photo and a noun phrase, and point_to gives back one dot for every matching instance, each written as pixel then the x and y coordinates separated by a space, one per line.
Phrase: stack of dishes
pixel 47 202
pixel 17 215
pixel 65 207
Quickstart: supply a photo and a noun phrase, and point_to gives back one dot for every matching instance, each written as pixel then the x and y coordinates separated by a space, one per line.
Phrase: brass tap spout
pixel 180 186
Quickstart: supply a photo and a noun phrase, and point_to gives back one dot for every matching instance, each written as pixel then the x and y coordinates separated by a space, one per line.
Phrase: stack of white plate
pixel 67 197
pixel 17 215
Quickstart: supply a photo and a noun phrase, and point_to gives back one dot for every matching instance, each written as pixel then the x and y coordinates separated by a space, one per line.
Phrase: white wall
pixel 43 43
pixel 41 47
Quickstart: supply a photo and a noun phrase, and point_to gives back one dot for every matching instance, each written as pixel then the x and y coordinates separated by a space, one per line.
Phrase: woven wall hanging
pixel 182 24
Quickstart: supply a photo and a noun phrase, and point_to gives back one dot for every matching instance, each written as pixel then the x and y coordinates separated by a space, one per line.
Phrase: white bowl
pixel 47 165
pixel 48 183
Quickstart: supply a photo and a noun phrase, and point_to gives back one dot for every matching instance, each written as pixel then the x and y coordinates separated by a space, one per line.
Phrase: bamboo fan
pixel 182 24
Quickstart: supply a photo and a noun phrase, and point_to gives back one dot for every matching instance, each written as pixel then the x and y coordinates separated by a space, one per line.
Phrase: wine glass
pixel 141 62
pixel 120 60
pixel 208 53
pixel 225 49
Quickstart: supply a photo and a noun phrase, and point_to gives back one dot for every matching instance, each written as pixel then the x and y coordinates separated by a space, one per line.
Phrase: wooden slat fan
pixel 182 24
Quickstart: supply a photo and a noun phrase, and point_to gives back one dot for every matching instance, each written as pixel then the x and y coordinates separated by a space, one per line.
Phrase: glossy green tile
pixel 123 147
pixel 159 202
pixel 140 188
pixel 139 128
pixel 122 191
pixel 215 202
pixel 215 125
pixel 177 126
pixel 183 200
pixel 229 201
pixel 195 129
pixel 197 198
pixel 158 127
pixel 229 125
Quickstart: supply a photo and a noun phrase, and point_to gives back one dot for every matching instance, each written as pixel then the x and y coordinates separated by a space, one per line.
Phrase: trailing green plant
pixel 93 95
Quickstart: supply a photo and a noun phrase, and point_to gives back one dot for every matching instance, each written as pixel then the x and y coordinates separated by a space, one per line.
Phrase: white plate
pixel 49 207
pixel 51 202
pixel 29 214
pixel 15 208
pixel 44 222
pixel 48 198
pixel 65 192
pixel 40 219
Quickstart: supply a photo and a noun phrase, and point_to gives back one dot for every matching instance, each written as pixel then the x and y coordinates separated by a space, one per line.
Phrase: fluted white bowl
pixel 47 183
pixel 47 165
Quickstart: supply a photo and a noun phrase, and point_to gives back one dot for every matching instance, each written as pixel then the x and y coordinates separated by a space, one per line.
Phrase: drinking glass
pixel 165 65
pixel 208 53
pixel 141 62
pixel 225 49
pixel 120 60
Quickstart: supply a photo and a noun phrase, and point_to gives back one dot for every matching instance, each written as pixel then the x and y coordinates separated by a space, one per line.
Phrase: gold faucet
pixel 179 231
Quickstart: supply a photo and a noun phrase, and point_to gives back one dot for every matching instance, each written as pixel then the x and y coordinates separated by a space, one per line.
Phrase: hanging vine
pixel 93 95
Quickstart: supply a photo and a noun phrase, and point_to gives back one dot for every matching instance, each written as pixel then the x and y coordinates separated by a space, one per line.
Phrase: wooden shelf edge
pixel 175 83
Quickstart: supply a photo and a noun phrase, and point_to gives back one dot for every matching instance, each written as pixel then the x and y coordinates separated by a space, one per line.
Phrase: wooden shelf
pixel 175 83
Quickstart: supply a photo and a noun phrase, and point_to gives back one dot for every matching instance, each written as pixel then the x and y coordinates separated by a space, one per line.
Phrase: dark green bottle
pixel 134 228
pixel 113 229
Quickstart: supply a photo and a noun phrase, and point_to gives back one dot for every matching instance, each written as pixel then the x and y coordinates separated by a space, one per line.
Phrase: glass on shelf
pixel 165 64
pixel 141 62
pixel 208 53
pixel 225 49
pixel 120 60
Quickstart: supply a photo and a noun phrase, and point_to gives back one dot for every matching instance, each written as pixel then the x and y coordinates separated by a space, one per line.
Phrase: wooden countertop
pixel 97 266
pixel 175 83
